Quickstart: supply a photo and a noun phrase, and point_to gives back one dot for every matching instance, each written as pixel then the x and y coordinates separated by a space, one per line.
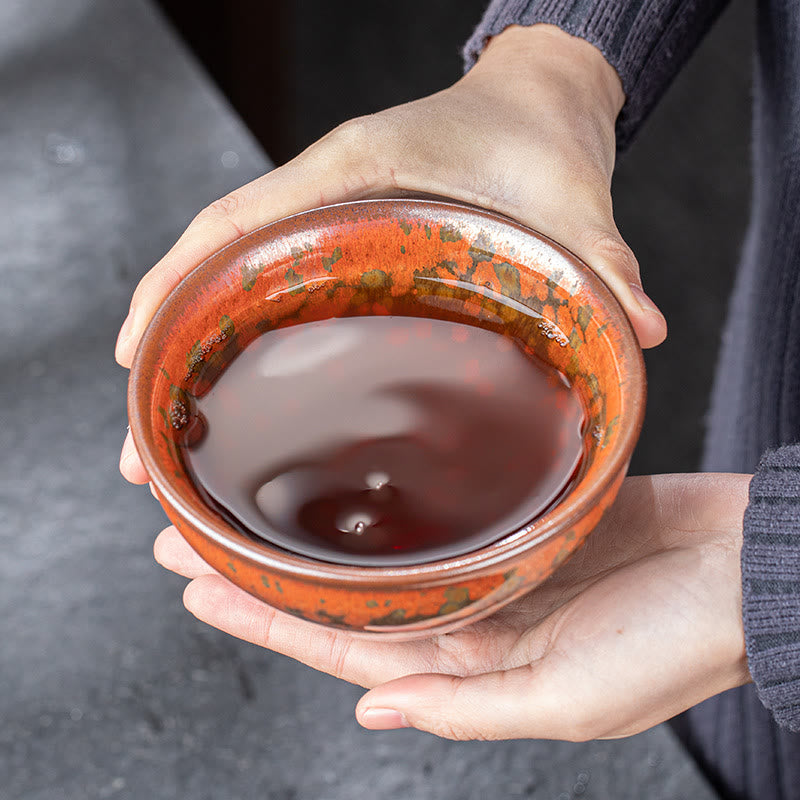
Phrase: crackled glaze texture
pixel 359 258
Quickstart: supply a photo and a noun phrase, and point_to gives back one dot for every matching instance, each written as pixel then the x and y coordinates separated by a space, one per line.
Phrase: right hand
pixel 643 622
pixel 527 132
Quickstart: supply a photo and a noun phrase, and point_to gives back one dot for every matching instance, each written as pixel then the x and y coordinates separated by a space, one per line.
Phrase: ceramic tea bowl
pixel 357 258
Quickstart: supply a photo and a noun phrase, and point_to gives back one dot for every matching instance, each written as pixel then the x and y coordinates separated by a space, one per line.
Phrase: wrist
pixel 710 513
pixel 528 61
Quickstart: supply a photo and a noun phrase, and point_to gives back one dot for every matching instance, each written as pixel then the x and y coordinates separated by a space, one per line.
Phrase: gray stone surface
pixel 110 141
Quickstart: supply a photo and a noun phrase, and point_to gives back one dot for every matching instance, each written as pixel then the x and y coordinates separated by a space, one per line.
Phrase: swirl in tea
pixel 381 440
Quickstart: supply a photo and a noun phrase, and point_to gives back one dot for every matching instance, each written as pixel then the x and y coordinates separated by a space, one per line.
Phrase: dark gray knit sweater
pixel 745 739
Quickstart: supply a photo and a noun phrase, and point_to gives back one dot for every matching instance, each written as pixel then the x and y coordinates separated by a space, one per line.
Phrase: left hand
pixel 642 623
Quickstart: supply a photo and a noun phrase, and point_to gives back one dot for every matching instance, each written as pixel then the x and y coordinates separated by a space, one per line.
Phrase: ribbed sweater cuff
pixel 771 583
pixel 646 41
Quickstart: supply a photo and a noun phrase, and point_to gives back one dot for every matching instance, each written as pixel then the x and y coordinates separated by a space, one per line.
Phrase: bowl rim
pixel 488 559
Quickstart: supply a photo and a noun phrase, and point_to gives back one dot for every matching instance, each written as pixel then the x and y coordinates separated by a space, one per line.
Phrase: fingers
pixel 496 705
pixel 130 465
pixel 174 553
pixel 216 601
pixel 335 169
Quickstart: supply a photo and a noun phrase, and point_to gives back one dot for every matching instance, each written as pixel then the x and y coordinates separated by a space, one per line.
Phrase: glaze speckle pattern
pixel 359 258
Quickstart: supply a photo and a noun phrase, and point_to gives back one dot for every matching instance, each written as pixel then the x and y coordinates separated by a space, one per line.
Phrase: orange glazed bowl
pixel 455 263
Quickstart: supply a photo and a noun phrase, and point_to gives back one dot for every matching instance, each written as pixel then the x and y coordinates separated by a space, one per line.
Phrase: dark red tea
pixel 380 440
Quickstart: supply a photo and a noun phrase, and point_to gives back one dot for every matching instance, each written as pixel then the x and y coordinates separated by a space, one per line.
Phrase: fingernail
pixel 383 719
pixel 124 333
pixel 123 461
pixel 645 303
pixel 126 454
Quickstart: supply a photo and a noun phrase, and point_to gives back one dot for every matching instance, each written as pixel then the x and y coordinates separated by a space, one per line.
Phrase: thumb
pixel 606 252
pixel 495 705
pixel 594 238
pixel 611 258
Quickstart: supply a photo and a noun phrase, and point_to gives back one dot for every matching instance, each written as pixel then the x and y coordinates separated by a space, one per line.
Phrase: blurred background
pixel 120 120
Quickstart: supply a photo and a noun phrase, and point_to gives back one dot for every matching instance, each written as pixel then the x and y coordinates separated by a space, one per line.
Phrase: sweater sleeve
pixel 771 583
pixel 646 41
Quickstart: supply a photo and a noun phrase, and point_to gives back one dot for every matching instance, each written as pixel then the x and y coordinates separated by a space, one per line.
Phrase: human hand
pixel 528 132
pixel 643 622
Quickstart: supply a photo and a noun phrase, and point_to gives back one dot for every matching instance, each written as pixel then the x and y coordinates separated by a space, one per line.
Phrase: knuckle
pixel 355 156
pixel 340 651
pixel 447 730
pixel 465 727
pixel 261 626
pixel 143 290
pixel 355 135
pixel 226 210
pixel 380 137
pixel 463 732
pixel 158 282
pixel 458 730
pixel 225 206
